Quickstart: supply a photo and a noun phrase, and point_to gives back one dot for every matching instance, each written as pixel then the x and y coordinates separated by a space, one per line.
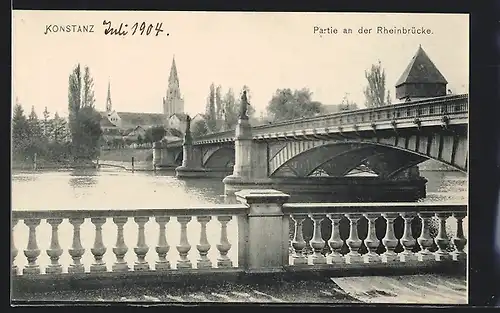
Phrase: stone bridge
pixel 388 141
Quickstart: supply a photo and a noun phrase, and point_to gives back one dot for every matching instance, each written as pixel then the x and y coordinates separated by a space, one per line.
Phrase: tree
pixel 288 105
pixel 199 128
pixel 375 91
pixel 83 119
pixel 46 123
pixel 19 132
pixel 59 126
pixel 230 109
pixel 88 98
pixel 348 105
pixel 154 134
pixel 388 99
pixel 35 134
pixel 219 106
pixel 210 112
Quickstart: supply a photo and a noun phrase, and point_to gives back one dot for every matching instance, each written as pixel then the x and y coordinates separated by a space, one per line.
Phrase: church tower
pixel 173 102
pixel 109 107
pixel 421 79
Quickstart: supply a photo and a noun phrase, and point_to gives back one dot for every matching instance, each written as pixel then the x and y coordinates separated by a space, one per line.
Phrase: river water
pixel 117 188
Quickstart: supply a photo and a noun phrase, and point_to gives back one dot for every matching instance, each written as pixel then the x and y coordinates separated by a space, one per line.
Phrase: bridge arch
pixel 340 157
pixel 219 157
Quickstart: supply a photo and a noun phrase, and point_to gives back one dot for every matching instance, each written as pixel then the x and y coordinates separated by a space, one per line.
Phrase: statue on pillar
pixel 244 106
pixel 188 123
pixel 187 133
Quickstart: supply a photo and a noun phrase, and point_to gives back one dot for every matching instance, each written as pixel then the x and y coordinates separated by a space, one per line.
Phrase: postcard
pixel 198 157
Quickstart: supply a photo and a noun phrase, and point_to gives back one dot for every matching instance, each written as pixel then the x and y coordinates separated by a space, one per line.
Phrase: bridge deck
pixel 409 289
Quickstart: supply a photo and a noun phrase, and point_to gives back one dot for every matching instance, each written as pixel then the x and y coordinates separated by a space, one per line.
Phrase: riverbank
pixel 46 165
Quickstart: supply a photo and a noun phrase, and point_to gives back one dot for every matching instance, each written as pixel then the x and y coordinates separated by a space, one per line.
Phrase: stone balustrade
pixel 163 218
pixel 263 240
pixel 416 245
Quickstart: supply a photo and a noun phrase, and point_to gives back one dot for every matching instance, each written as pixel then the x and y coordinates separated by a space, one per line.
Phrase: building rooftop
pixel 105 122
pixel 133 119
pixel 180 116
pixel 421 70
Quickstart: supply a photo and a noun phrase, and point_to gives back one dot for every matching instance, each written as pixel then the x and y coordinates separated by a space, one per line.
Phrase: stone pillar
pixel 167 158
pixel 191 159
pixel 250 165
pixel 156 154
pixel 243 150
pixel 268 230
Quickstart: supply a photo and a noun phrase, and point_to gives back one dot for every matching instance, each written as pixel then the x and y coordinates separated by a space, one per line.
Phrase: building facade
pixel 122 123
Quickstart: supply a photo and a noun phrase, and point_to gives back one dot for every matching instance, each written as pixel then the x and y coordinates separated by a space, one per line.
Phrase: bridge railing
pixel 252 237
pixel 421 109
pixel 399 112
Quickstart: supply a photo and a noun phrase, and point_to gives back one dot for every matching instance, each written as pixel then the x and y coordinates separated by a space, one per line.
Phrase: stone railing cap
pixel 261 196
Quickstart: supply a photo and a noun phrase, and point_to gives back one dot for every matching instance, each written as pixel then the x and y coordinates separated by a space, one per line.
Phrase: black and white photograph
pixel 239 157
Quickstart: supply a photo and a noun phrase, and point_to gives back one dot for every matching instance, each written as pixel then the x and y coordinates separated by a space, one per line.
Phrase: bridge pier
pixel 191 159
pixel 250 165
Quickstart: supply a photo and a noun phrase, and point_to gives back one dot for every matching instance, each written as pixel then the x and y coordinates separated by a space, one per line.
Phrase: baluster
pixel 183 247
pixel 371 241
pixel 317 243
pixel 442 238
pixel 224 245
pixel 120 248
pixel 204 246
pixel 162 248
pixel 407 240
pixel 13 249
pixel 142 248
pixel 459 240
pixel 32 252
pixel 335 242
pixel 98 250
pixel 353 242
pixel 298 242
pixel 390 241
pixel 76 250
pixel 54 251
pixel 425 240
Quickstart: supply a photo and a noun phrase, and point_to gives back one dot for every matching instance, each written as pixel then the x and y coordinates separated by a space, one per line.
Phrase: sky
pixel 264 51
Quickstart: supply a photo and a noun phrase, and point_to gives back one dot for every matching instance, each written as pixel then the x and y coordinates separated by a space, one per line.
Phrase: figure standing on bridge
pixel 244 106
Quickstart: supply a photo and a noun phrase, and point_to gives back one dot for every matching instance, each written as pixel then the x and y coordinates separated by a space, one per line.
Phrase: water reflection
pixel 83 178
pixel 25 177
pixel 91 188
pixel 215 189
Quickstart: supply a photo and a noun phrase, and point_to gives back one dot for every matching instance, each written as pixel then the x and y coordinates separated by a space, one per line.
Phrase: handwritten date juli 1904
pixel 142 29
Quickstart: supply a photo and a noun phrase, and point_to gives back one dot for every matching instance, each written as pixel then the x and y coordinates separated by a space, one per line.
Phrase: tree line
pixel 48 137
pixel 221 111
pixel 55 139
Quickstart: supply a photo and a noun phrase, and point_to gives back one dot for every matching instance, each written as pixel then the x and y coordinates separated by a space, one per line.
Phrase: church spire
pixel 108 99
pixel 173 73
pixel 173 102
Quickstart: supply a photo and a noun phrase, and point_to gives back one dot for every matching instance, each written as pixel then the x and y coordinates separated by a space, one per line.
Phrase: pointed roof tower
pixel 421 78
pixel 108 98
pixel 173 72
